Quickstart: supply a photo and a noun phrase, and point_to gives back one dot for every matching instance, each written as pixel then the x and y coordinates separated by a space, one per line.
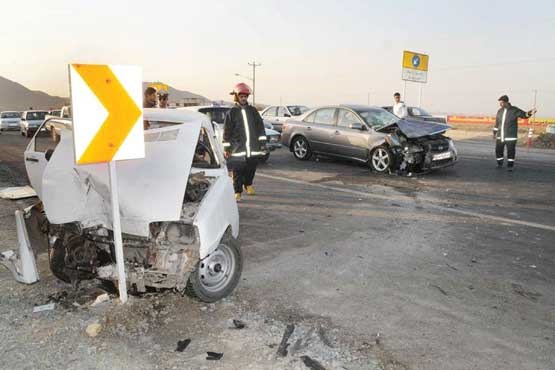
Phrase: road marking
pixel 411 200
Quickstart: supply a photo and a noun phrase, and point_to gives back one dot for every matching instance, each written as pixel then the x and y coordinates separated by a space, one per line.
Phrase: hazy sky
pixel 312 52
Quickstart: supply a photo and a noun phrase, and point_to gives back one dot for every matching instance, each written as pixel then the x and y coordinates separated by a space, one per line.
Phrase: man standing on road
pixel 149 101
pixel 163 97
pixel 505 131
pixel 244 140
pixel 399 108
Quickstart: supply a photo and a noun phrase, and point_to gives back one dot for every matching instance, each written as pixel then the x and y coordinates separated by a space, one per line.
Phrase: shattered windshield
pixel 377 118
pixel 297 110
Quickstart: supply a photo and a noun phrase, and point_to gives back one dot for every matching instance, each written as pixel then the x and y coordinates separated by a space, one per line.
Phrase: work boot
pixel 250 190
pixel 499 164
pixel 238 197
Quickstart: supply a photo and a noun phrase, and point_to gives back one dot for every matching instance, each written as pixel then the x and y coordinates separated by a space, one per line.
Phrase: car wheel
pixel 301 148
pixel 218 274
pixel 381 159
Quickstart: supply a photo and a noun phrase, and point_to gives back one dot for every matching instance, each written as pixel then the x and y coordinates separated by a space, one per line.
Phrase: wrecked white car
pixel 179 219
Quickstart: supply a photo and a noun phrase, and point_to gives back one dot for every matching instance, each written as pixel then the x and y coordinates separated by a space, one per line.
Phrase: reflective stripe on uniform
pixel 510 139
pixel 510 160
pixel 262 137
pixel 246 124
pixel 500 159
pixel 226 145
pixel 258 153
pixel 495 129
pixel 503 124
pixel 240 154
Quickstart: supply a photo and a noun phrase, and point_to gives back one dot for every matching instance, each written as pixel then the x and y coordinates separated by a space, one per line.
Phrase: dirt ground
pixel 450 270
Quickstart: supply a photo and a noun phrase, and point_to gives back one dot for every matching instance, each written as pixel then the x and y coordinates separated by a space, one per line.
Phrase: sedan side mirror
pixel 356 126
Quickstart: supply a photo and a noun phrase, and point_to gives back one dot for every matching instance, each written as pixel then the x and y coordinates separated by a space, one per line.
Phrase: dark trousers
pixel 243 172
pixel 500 149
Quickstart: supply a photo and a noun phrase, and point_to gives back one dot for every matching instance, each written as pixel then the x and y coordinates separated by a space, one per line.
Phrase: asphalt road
pixel 450 270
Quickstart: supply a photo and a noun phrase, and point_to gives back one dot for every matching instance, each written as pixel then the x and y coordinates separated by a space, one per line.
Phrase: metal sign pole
pixel 116 228
pixel 420 97
pixel 405 92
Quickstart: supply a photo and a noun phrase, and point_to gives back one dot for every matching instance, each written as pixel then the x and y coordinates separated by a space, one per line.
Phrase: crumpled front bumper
pixel 22 264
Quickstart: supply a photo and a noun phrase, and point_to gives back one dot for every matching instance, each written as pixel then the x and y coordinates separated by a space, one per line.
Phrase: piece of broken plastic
pixel 214 356
pixel 18 192
pixel 44 307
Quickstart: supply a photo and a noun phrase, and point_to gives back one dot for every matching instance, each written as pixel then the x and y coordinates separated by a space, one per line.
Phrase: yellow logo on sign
pixel 102 127
pixel 416 61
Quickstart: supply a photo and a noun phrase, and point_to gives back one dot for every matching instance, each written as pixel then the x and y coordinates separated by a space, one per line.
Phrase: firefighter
pixel 244 140
pixel 505 132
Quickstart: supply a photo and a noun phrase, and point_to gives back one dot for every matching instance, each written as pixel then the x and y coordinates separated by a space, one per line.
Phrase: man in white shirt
pixel 399 108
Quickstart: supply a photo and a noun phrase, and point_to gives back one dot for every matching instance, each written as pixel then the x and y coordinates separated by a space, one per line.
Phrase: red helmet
pixel 241 88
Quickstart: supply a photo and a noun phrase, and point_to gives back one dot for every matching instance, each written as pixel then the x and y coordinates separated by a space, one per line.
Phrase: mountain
pixel 14 96
pixel 181 97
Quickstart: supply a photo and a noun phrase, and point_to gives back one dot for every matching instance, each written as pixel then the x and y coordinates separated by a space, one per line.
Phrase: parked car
pixel 9 120
pixel 278 114
pixel 371 135
pixel 217 115
pixel 55 113
pixel 30 121
pixel 179 219
pixel 419 114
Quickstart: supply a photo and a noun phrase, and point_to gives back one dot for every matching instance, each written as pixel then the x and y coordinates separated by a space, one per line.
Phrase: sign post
pixel 415 69
pixel 107 127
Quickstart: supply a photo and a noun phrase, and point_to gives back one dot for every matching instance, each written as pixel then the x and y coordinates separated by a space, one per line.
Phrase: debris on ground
pixel 544 141
pixel 18 192
pixel 520 290
pixel 238 324
pixel 44 307
pixel 282 349
pixel 93 329
pixel 312 364
pixel 100 299
pixel 214 356
pixel 182 345
pixel 440 289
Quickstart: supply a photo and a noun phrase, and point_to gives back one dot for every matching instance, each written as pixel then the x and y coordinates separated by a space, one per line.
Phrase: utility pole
pixel 254 65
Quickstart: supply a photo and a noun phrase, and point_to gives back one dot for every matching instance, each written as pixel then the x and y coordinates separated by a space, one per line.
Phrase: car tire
pixel 301 148
pixel 217 275
pixel 57 258
pixel 381 159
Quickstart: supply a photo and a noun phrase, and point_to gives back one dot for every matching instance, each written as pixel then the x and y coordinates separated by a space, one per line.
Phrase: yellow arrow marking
pixel 122 112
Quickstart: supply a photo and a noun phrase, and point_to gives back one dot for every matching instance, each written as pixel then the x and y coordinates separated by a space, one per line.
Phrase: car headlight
pixel 452 147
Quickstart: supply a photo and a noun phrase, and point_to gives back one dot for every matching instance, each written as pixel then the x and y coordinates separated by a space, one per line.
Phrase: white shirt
pixel 400 110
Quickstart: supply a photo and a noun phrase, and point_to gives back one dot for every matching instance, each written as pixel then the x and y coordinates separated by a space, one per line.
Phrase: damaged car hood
pixel 416 129
pixel 150 189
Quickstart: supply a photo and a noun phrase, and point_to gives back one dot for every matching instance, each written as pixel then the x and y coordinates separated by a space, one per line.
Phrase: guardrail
pixel 491 120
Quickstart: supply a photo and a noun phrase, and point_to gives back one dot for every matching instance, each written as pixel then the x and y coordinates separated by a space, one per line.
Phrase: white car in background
pixel 217 114
pixel 9 120
pixel 278 114
pixel 180 220
pixel 30 121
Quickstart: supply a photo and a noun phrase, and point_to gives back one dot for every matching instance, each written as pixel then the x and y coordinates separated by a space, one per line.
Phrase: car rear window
pixel 10 115
pixel 32 116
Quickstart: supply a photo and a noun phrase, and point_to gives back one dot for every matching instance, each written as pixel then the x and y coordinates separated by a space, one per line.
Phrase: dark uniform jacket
pixel 506 123
pixel 244 133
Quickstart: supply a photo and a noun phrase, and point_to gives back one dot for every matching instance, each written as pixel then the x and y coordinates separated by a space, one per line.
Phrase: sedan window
pixel 282 112
pixel 325 116
pixel 297 110
pixel 310 118
pixel 377 118
pixel 270 112
pixel 345 118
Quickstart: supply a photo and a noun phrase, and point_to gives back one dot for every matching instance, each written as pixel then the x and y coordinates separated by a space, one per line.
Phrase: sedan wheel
pixel 301 148
pixel 381 159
